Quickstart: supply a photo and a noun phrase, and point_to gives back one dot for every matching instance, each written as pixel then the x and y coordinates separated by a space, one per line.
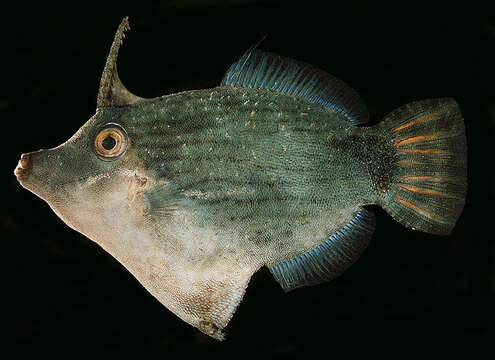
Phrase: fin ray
pixel 431 181
pixel 257 69
pixel 329 259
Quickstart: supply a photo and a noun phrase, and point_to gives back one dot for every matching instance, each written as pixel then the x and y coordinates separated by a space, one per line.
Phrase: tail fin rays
pixel 431 181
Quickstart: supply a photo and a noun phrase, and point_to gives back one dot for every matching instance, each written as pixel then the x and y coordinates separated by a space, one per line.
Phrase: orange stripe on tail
pixel 409 163
pixel 422 178
pixel 415 139
pixel 418 120
pixel 419 210
pixel 430 164
pixel 424 191
pixel 424 151
pixel 433 179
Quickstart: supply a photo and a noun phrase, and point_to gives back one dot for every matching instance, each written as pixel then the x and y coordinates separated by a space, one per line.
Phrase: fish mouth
pixel 24 171
pixel 23 168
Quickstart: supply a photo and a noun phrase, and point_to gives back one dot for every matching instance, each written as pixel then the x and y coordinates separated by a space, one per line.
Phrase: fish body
pixel 254 159
pixel 194 192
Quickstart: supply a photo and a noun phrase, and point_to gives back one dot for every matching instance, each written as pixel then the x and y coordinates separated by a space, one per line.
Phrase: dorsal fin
pixel 112 92
pixel 329 259
pixel 257 69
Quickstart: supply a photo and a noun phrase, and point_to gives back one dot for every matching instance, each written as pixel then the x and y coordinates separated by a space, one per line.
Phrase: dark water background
pixel 410 295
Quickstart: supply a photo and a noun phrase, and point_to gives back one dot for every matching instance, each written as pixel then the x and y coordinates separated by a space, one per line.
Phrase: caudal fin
pixel 431 178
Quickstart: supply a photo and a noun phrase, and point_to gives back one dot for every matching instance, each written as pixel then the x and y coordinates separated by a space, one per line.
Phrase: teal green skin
pixel 254 162
pixel 213 185
pixel 257 160
pixel 55 173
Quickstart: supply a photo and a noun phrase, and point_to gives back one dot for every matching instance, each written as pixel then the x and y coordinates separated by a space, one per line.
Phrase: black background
pixel 411 294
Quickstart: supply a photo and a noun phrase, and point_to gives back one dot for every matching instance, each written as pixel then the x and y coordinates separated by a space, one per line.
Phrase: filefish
pixel 194 192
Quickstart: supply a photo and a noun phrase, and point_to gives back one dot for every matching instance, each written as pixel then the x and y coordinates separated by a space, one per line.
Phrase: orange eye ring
pixel 111 142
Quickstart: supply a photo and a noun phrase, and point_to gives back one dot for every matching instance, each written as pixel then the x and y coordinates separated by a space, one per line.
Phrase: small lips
pixel 23 168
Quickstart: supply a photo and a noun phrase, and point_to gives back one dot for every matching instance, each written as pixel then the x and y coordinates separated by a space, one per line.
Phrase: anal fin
pixel 329 259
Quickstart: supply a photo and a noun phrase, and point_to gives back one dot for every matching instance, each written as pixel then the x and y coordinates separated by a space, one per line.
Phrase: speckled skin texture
pixel 214 184
pixel 260 162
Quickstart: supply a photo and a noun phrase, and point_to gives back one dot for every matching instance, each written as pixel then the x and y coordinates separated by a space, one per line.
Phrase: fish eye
pixel 111 142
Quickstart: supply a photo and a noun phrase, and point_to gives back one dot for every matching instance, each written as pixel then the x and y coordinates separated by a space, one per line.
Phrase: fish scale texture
pixel 272 168
pixel 274 157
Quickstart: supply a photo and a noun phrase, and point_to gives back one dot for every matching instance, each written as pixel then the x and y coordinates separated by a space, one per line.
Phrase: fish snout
pixel 42 173
pixel 23 168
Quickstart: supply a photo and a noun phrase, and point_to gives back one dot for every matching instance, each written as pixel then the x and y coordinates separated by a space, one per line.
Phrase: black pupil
pixel 108 143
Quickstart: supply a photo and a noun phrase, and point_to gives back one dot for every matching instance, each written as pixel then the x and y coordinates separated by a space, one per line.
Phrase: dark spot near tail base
pixel 378 155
